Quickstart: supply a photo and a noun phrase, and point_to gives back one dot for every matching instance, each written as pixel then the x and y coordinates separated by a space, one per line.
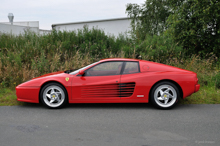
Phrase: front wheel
pixel 53 95
pixel 164 95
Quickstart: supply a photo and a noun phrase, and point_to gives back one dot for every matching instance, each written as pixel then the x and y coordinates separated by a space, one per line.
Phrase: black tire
pixel 53 95
pixel 163 98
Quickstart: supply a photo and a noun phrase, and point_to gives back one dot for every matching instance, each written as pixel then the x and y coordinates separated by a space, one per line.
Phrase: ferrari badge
pixel 67 79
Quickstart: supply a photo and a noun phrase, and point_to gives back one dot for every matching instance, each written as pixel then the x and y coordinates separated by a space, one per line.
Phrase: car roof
pixel 118 59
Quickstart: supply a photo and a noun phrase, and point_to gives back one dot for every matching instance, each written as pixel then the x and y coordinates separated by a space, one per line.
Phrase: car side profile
pixel 114 80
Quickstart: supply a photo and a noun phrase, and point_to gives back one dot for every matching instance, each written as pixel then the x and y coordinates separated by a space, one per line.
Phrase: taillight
pixel 197 80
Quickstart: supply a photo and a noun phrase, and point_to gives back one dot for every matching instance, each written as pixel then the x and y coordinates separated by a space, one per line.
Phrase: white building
pixel 110 26
pixel 20 27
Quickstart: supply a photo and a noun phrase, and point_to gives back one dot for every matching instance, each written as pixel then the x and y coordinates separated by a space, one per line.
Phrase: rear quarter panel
pixel 185 80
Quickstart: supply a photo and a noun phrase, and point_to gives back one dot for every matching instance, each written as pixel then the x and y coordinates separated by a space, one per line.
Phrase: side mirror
pixel 81 72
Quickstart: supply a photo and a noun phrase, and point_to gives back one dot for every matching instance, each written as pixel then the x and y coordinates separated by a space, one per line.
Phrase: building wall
pixel 15 29
pixel 25 23
pixel 111 26
pixel 43 32
pixel 20 27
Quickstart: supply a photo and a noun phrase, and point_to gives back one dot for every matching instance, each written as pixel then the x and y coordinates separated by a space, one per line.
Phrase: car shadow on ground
pixel 104 106
pixel 111 105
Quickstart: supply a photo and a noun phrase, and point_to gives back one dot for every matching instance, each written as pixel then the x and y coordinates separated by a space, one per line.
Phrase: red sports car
pixel 114 80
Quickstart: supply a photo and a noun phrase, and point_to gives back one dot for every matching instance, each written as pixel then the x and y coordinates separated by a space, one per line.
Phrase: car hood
pixel 50 74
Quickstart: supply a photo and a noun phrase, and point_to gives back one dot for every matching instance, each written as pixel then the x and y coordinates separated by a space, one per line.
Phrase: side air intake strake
pixel 126 89
pixel 108 90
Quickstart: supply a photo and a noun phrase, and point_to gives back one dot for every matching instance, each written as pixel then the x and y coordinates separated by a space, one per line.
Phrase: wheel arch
pixel 167 80
pixel 44 84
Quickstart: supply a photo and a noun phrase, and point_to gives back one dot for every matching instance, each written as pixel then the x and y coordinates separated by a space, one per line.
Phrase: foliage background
pixel 183 33
pixel 194 24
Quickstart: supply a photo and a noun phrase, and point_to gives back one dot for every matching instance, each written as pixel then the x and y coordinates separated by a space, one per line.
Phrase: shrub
pixel 217 80
pixel 30 55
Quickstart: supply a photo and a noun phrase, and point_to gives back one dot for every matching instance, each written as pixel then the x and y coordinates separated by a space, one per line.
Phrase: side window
pixel 105 69
pixel 131 67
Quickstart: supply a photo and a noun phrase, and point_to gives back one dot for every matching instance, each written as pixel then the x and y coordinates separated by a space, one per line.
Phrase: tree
pixel 195 24
pixel 148 18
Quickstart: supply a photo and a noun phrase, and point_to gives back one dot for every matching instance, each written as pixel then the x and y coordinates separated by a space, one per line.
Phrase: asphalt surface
pixel 109 125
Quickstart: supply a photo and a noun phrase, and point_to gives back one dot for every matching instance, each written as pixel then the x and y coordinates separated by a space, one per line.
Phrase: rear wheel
pixel 53 95
pixel 165 95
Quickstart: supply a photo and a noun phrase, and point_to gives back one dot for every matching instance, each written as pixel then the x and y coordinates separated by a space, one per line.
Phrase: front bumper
pixel 28 94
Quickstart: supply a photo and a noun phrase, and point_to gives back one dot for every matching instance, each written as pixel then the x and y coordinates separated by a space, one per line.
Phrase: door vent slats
pixel 126 89
pixel 108 90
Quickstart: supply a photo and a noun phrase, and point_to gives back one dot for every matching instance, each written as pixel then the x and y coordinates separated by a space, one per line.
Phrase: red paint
pixel 123 88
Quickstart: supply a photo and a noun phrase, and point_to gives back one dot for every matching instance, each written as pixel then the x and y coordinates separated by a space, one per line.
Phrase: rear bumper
pixel 27 94
pixel 197 87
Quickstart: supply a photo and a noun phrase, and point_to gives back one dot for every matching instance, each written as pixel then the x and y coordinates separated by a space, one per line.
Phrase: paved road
pixel 110 125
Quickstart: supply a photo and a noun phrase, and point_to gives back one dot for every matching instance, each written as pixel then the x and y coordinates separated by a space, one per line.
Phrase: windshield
pixel 76 71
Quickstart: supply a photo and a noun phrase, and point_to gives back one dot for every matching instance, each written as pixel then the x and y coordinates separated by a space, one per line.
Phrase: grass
pixel 206 95
pixel 207 73
pixel 8 97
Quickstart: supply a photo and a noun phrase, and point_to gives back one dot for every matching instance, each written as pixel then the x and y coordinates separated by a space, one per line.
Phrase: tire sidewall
pixel 53 84
pixel 152 100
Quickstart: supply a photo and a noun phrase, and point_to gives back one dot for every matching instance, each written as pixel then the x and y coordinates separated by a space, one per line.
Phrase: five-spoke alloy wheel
pixel 53 95
pixel 164 95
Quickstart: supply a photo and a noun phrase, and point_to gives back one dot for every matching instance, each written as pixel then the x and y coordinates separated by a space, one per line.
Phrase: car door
pixel 100 82
pixel 132 85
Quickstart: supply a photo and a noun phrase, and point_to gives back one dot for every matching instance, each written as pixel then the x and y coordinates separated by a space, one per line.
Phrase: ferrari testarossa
pixel 113 80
